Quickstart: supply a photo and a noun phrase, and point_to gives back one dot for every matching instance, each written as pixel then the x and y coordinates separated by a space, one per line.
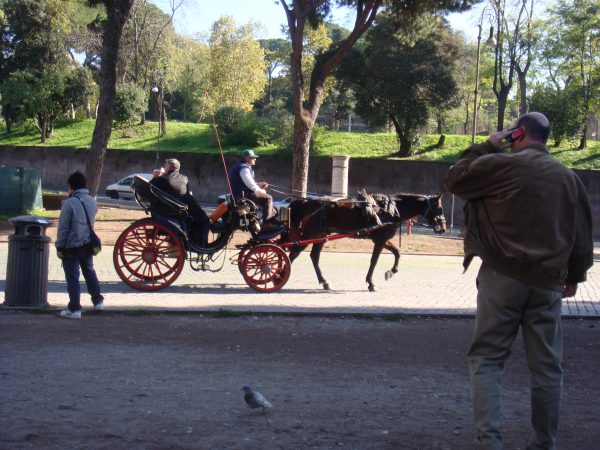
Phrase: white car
pixel 124 188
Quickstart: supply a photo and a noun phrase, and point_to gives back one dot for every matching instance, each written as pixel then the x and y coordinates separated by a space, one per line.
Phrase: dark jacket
pixel 173 183
pixel 527 215
pixel 238 186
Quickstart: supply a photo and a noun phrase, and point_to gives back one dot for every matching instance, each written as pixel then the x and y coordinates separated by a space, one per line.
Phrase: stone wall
pixel 208 181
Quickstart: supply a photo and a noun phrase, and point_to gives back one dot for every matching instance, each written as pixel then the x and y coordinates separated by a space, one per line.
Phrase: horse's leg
pixel 374 258
pixel 295 251
pixel 315 254
pixel 389 245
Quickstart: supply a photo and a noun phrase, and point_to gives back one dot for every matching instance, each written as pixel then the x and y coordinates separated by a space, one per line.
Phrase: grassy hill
pixel 191 137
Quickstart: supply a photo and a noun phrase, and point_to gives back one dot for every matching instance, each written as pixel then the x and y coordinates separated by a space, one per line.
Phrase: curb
pixel 226 313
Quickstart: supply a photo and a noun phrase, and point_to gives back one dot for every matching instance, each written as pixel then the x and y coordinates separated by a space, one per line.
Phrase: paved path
pixel 423 285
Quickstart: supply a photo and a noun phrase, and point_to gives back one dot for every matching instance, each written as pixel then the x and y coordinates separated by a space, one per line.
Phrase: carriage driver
pixel 169 179
pixel 243 184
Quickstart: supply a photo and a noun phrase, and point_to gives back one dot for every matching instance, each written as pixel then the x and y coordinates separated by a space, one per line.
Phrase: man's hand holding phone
pixel 505 138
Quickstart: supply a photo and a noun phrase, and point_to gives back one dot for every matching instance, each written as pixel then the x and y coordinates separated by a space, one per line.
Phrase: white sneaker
pixel 99 306
pixel 70 315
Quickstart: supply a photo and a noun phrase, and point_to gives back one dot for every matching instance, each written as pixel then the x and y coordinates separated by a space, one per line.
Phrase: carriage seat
pixel 157 201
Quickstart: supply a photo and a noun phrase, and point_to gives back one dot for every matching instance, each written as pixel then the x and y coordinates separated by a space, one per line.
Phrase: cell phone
pixel 513 135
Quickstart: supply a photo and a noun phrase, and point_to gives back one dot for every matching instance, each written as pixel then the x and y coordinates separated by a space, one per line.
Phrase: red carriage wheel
pixel 240 259
pixel 148 256
pixel 266 268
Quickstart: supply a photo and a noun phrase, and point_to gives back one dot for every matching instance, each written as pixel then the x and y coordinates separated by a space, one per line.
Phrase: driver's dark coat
pixel 527 215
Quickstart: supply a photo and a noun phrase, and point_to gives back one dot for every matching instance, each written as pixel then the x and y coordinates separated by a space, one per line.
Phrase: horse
pixel 311 219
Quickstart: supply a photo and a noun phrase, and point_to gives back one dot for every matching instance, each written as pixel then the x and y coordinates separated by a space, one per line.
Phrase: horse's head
pixel 434 214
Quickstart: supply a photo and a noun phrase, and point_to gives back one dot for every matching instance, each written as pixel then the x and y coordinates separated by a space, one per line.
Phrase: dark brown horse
pixel 312 219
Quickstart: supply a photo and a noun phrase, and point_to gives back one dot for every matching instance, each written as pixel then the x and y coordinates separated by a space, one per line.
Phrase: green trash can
pixel 27 264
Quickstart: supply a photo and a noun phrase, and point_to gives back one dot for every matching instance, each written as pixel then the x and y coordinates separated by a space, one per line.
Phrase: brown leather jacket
pixel 527 215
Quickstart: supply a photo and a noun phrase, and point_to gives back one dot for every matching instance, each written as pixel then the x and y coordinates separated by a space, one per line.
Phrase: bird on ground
pixel 255 399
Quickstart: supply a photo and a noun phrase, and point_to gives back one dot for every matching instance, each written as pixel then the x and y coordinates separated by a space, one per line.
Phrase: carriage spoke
pixel 266 268
pixel 148 256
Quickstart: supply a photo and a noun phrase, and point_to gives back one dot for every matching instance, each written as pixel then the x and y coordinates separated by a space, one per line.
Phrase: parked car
pixel 124 188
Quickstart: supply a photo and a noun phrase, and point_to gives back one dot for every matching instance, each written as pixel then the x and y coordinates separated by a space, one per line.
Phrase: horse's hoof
pixel 372 289
pixel 389 274
pixel 326 286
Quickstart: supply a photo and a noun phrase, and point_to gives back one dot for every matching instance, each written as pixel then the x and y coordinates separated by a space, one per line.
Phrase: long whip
pixel 220 148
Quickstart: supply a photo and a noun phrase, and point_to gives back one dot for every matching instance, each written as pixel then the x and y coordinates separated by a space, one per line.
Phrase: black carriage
pixel 151 253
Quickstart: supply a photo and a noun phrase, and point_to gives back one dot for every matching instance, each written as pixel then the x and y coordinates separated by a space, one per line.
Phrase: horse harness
pixel 376 207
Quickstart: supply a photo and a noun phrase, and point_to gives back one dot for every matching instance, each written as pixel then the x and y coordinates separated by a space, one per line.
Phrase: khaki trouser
pixel 503 304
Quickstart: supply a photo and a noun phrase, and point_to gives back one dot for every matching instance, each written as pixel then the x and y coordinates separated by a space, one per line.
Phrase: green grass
pixel 192 137
pixel 35 212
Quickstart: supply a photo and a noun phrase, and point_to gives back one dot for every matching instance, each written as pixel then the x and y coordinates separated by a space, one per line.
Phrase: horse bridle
pixel 438 216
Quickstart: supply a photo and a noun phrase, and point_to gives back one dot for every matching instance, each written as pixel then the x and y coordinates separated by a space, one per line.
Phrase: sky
pixel 197 16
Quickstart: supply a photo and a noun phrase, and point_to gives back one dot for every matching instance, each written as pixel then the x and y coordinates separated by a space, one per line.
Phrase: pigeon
pixel 255 399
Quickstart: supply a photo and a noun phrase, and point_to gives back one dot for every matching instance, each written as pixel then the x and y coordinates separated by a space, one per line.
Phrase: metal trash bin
pixel 27 265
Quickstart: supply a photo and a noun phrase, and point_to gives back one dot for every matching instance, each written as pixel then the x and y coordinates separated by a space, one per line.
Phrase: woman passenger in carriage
pixel 169 179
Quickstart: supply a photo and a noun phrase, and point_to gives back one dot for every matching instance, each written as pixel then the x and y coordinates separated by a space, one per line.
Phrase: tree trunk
pixel 116 18
pixel 441 142
pixel 302 135
pixel 88 108
pixel 502 102
pixel 403 139
pixel 304 116
pixel 43 125
pixel 523 107
pixel 72 112
pixel 440 124
pixel 405 146
pixel 163 118
pixel 467 118
pixel 583 141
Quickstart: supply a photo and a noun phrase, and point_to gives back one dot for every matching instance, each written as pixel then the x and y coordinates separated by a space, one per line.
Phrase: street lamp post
pixel 490 42
pixel 157 88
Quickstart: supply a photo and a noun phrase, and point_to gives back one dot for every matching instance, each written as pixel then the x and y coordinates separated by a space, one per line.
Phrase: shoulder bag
pixel 95 245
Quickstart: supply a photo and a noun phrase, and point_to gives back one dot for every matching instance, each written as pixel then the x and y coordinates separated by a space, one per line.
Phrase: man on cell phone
pixel 528 218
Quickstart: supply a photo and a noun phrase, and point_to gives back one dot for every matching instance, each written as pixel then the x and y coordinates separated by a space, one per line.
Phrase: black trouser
pixel 266 202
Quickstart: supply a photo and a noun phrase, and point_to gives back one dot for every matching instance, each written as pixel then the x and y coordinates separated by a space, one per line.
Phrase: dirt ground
pixel 167 381
pixel 135 381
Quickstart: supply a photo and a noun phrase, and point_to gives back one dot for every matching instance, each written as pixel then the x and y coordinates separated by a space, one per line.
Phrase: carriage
pixel 150 254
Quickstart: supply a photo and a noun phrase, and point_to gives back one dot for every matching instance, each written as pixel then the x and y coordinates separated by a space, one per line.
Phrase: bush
pixel 131 102
pixel 277 129
pixel 247 128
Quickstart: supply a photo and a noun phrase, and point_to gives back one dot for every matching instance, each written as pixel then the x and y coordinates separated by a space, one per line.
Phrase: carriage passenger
pixel 174 183
pixel 243 184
